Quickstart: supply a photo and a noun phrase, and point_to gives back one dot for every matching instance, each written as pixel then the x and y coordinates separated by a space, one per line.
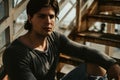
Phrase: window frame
pixel 6 34
pixel 6 10
pixel 15 5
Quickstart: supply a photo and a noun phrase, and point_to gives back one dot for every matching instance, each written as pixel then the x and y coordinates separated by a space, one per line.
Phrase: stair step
pixel 110 2
pixel 100 38
pixel 70 60
pixel 105 18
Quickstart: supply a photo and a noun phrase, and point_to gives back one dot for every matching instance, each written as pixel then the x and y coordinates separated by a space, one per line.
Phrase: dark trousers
pixel 80 73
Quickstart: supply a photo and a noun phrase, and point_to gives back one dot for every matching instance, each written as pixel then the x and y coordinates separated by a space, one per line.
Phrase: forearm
pixel 94 69
pixel 85 53
pixel 99 58
pixel 88 54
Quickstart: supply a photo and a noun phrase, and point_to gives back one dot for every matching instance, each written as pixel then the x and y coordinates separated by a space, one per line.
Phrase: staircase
pixel 88 13
pixel 104 11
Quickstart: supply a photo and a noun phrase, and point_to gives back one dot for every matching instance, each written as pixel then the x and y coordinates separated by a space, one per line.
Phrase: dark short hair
pixel 34 6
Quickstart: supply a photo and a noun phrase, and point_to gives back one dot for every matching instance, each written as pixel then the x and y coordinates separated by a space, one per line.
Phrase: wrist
pixel 114 66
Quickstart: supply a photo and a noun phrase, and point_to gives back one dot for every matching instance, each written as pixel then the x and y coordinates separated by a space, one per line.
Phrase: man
pixel 35 55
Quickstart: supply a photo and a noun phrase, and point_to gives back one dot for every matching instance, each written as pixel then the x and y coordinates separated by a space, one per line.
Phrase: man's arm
pixel 16 64
pixel 114 72
pixel 91 55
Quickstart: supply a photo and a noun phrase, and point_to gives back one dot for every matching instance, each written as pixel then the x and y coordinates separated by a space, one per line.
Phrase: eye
pixel 42 16
pixel 52 16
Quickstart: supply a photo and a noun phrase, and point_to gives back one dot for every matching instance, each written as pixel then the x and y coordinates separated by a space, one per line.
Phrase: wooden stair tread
pixel 110 2
pixel 70 60
pixel 105 18
pixel 101 38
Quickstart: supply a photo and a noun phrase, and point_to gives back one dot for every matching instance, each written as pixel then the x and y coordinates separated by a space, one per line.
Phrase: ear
pixel 29 18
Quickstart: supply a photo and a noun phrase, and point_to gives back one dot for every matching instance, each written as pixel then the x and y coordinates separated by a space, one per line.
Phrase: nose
pixel 48 19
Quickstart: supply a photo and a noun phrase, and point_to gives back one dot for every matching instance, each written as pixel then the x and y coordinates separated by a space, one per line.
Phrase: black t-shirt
pixel 24 63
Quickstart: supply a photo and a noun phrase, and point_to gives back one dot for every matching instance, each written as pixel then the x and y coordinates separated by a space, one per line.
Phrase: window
pixel 64 10
pixel 73 1
pixel 4 38
pixel 59 1
pixel 3 9
pixel 16 2
pixel 20 21
pixel 67 15
pixel 70 17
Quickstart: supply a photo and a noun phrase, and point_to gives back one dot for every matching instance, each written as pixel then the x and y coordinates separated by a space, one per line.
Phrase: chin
pixel 48 33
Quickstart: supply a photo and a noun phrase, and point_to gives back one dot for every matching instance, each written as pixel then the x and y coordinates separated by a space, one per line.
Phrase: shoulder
pixel 16 48
pixel 57 35
pixel 59 38
pixel 16 55
pixel 16 45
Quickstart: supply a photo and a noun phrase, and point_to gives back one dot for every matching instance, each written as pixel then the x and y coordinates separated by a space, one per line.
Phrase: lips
pixel 47 28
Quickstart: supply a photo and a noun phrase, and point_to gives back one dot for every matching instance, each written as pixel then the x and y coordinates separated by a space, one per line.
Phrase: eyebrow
pixel 42 14
pixel 45 14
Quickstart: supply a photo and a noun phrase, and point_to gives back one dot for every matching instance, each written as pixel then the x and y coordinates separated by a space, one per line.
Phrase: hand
pixel 5 78
pixel 114 72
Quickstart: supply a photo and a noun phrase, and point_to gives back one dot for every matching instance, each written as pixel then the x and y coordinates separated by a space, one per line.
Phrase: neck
pixel 37 42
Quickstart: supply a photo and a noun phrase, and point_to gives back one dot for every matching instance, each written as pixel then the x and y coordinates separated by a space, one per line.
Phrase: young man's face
pixel 43 21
